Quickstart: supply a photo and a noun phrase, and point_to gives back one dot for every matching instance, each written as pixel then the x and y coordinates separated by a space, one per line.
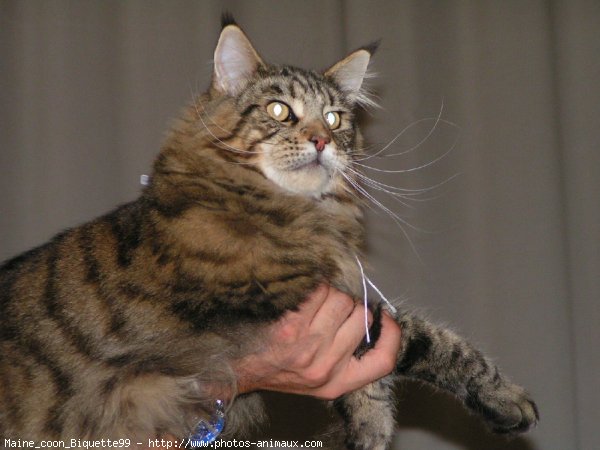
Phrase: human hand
pixel 311 351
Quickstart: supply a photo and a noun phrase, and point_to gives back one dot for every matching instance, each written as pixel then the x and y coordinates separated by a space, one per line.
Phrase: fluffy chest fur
pixel 211 204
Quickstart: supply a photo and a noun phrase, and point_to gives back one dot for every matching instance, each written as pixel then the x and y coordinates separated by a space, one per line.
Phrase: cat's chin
pixel 309 180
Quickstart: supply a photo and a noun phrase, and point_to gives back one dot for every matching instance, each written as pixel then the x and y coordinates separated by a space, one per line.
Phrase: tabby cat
pixel 115 328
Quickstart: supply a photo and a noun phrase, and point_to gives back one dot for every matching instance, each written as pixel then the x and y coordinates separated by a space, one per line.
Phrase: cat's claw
pixel 508 409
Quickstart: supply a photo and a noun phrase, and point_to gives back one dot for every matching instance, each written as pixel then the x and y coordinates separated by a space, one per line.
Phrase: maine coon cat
pixel 114 329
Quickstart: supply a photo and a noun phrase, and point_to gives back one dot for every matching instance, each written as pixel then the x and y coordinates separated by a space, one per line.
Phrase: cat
pixel 114 329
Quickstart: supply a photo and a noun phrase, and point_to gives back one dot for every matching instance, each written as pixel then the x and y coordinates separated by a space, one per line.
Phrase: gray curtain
pixel 506 251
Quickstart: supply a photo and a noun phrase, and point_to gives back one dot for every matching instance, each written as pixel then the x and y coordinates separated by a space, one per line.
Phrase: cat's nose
pixel 320 142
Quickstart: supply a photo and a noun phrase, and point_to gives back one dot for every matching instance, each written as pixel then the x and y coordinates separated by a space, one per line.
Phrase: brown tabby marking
pixel 127 325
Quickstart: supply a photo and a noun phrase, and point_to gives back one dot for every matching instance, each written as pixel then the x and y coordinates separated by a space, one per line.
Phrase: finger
pixel 351 333
pixel 345 374
pixel 377 362
pixel 332 313
pixel 313 302
pixel 293 329
pixel 381 359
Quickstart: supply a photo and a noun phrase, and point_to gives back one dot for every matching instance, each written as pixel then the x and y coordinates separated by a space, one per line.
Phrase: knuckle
pixel 287 332
pixel 345 305
pixel 304 360
pixel 317 376
pixel 359 309
pixel 306 353
pixel 321 292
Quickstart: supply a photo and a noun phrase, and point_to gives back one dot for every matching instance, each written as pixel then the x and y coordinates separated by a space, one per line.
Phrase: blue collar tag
pixel 208 431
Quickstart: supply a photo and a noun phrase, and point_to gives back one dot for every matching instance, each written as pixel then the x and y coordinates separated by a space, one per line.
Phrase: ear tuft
pixel 235 59
pixel 227 19
pixel 372 47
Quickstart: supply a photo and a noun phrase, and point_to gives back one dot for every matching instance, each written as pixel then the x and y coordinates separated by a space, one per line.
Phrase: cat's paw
pixel 507 408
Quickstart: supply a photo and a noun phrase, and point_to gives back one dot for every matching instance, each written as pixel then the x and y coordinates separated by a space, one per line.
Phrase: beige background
pixel 87 89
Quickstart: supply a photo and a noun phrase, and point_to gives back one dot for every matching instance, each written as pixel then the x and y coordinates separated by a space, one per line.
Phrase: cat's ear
pixel 350 72
pixel 235 59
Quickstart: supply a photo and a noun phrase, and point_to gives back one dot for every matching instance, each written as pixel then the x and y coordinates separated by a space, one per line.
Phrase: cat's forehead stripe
pixel 301 84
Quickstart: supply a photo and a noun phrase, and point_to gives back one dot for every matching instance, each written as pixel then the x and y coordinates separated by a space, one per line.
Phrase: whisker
pixel 354 193
pixel 413 169
pixel 199 116
pixel 196 101
pixel 389 211
pixel 380 186
pixel 399 221
pixel 208 116
pixel 404 192
pixel 224 144
pixel 395 195
pixel 198 112
pixel 364 282
pixel 408 127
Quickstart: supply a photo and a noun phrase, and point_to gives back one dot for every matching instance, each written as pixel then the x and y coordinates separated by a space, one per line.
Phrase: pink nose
pixel 320 142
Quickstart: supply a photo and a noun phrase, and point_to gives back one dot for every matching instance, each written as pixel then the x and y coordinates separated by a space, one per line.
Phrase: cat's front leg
pixel 438 356
pixel 368 415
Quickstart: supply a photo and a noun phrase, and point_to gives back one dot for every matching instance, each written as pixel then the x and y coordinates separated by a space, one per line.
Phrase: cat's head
pixel 296 126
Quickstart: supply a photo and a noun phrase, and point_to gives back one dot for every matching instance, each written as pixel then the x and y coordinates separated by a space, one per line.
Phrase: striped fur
pixel 117 328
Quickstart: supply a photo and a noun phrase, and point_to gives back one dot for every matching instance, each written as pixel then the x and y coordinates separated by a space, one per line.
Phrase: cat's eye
pixel 279 111
pixel 333 119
